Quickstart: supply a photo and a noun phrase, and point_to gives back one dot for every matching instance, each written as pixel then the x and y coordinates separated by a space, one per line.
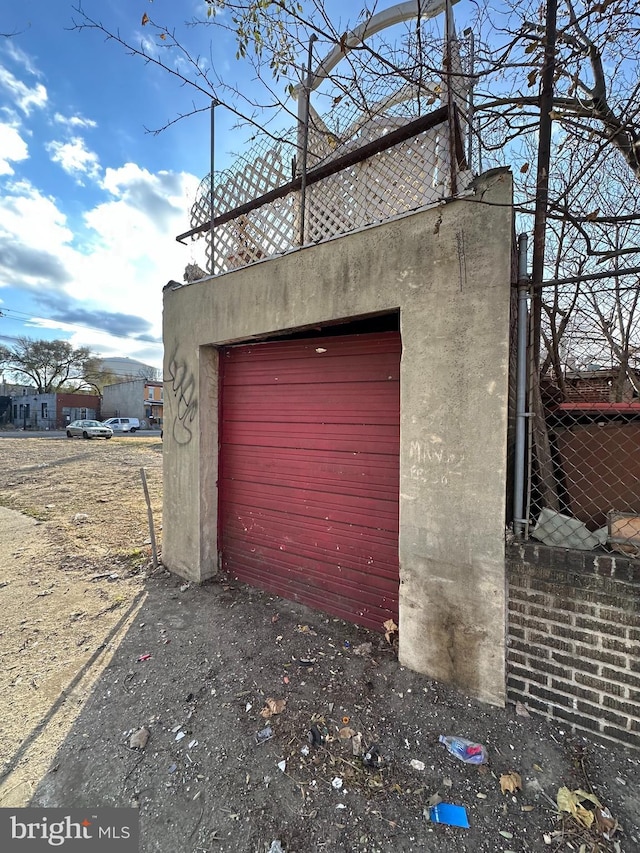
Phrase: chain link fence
pixel 584 418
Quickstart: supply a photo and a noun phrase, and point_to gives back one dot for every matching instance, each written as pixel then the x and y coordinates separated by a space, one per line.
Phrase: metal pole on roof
pixel 305 136
pixel 214 104
pixel 448 67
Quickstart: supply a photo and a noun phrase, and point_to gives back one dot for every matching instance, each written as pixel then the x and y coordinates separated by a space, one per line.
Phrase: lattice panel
pixel 403 178
pixel 406 177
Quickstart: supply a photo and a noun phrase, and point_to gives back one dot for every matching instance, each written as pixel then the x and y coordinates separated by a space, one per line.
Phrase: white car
pixel 88 429
pixel 123 424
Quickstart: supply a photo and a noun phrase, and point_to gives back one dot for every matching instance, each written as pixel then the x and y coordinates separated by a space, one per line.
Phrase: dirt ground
pixel 95 645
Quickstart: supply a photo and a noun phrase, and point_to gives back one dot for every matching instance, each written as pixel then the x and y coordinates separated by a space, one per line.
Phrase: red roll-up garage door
pixel 309 471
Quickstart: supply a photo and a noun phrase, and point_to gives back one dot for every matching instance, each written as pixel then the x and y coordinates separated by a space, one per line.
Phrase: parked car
pixel 88 429
pixel 123 424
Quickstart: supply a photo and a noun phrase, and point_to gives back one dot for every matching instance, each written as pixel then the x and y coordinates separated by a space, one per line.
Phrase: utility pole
pixel 542 176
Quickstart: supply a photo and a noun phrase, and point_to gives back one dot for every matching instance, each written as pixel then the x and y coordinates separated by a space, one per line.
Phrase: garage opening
pixel 309 470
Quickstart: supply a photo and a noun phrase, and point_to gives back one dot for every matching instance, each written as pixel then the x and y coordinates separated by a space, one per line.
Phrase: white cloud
pixel 74 121
pixel 20 57
pixel 25 97
pixel 116 263
pixel 12 148
pixel 74 157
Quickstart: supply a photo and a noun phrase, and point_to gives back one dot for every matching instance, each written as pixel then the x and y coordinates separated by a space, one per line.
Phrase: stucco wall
pixel 124 399
pixel 447 270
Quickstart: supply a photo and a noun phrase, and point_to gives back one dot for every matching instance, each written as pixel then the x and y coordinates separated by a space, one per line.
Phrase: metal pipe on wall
pixel 519 521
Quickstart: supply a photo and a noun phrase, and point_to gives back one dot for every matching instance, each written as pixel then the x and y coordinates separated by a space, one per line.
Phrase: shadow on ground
pixel 203 783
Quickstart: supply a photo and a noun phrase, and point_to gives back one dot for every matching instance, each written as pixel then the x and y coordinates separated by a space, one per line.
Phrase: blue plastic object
pixel 449 814
pixel 465 750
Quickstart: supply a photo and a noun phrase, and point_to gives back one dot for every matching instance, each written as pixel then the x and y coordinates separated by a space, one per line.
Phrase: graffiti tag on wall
pixel 182 385
pixel 432 463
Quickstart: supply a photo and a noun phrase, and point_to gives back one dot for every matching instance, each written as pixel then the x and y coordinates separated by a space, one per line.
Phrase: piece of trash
pixel 248 707
pixel 285 679
pixel 276 847
pixel 547 838
pixel 139 739
pixel 416 764
pixel 510 782
pixel 336 783
pixel 341 806
pixel 146 656
pixel 192 743
pixel 305 629
pixel 282 765
pixel 390 629
pixel 449 814
pixel 363 649
pixel 481 796
pixel 347 644
pixel 465 750
pixel 434 800
pixel 185 587
pixel 317 735
pixel 356 744
pixel 173 768
pixel 264 735
pixel 505 834
pixel 273 706
pixel 305 750
pixel 447 782
pixel 521 710
pixel 180 735
pixel 345 733
pixel 306 661
pixel 372 757
pixel 564 531
pixel 527 808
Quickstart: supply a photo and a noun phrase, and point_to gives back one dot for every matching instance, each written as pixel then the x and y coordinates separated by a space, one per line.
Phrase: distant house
pixel 597 386
pixel 30 410
pixel 136 398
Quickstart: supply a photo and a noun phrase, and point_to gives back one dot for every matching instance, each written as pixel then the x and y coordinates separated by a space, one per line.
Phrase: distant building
pixel 30 410
pixel 124 369
pixel 136 398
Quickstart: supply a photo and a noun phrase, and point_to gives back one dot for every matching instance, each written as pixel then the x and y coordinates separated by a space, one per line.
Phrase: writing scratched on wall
pixel 433 463
pixel 182 385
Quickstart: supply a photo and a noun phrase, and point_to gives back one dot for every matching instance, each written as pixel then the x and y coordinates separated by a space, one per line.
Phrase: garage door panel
pixel 352 438
pixel 336 545
pixel 333 603
pixel 331 470
pixel 330 404
pixel 298 505
pixel 309 471
pixel 356 589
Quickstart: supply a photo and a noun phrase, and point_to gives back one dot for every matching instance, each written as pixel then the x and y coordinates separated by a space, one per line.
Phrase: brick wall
pixel 573 649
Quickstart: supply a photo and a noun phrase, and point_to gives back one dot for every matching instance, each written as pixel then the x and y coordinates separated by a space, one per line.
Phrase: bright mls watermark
pixel 33 830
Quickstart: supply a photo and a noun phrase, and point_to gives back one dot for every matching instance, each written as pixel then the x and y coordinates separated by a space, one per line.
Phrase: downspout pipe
pixel 519 522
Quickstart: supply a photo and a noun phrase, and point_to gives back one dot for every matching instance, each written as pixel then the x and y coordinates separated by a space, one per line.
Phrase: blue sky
pixel 90 203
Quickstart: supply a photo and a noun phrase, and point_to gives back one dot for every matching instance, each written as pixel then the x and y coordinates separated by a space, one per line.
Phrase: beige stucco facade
pixel 447 271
